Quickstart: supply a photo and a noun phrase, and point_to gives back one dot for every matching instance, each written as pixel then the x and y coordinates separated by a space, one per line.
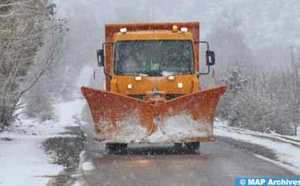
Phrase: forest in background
pixel 259 97
pixel 44 45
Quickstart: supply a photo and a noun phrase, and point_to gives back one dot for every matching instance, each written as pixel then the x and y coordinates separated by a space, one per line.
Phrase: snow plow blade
pixel 123 119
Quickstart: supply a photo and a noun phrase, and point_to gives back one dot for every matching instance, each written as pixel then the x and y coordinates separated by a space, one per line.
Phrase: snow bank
pixel 22 157
pixel 287 153
pixel 24 163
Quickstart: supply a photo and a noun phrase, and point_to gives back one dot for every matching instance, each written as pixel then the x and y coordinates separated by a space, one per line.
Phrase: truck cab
pixel 163 59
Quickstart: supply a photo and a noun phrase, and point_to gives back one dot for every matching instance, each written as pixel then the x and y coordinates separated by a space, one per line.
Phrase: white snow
pixel 167 73
pixel 175 128
pixel 130 131
pixel 76 184
pixel 23 162
pixel 88 166
pixel 279 164
pixel 69 111
pixel 86 163
pixel 86 75
pixel 288 154
pixel 22 158
pixel 180 127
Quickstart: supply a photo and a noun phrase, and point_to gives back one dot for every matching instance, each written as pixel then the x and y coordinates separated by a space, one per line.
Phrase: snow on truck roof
pixel 150 35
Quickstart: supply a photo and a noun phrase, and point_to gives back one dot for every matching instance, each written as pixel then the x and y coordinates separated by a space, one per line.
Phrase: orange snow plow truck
pixel 152 86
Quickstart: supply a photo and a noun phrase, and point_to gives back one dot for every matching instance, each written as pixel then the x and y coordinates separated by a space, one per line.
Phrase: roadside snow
pixel 23 162
pixel 88 166
pixel 22 158
pixel 69 112
pixel 288 154
pixel 76 184
pixel 287 167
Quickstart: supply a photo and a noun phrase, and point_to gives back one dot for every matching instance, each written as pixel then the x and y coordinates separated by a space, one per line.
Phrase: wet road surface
pixel 217 163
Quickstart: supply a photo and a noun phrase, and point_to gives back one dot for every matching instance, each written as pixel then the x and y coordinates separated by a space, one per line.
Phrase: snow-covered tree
pixel 23 27
pixel 287 88
pixel 236 83
pixel 39 99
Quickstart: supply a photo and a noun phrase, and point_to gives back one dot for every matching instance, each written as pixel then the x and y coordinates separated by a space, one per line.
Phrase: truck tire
pixel 116 147
pixel 192 146
pixel 177 145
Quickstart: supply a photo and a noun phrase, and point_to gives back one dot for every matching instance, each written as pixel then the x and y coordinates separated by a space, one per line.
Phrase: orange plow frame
pixel 123 119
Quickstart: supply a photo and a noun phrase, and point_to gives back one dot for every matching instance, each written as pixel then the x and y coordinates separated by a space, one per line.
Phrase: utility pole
pixel 295 84
pixel 292 54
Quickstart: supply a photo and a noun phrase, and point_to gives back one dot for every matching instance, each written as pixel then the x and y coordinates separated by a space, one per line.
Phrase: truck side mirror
pixel 100 57
pixel 210 58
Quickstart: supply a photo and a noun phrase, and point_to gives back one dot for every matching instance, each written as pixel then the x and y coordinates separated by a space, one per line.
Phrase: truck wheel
pixel 192 146
pixel 116 147
pixel 177 145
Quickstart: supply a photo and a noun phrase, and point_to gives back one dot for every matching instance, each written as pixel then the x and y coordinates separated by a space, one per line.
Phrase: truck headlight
pixel 129 86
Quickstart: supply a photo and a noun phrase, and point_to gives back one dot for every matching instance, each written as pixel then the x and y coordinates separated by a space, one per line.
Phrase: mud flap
pixel 122 119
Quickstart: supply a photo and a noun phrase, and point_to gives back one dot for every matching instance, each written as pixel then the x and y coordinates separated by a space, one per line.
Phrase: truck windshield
pixel 154 58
